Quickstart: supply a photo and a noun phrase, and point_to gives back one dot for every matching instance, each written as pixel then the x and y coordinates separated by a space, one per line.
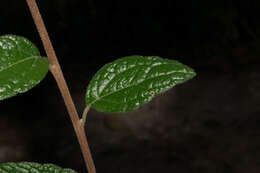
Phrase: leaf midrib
pixel 19 62
pixel 134 85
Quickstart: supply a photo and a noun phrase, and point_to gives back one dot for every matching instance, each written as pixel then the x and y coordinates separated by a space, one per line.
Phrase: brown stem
pixel 58 75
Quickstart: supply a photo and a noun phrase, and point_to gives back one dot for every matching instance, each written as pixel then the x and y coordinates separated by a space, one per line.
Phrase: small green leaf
pixel 128 83
pixel 29 167
pixel 21 67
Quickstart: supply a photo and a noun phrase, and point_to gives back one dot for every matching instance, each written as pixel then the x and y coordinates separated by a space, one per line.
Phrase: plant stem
pixel 58 75
pixel 84 115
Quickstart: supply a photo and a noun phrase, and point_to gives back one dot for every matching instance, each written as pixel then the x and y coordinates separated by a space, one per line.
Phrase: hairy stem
pixel 58 75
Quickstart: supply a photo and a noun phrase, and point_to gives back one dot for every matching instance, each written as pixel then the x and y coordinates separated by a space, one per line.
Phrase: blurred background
pixel 210 124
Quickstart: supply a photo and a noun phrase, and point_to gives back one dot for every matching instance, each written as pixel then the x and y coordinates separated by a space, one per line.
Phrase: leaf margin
pixel 89 103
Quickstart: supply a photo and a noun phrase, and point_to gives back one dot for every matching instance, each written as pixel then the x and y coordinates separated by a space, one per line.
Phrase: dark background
pixel 210 124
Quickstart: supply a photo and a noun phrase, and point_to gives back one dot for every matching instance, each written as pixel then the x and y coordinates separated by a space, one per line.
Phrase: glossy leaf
pixel 128 83
pixel 29 167
pixel 21 66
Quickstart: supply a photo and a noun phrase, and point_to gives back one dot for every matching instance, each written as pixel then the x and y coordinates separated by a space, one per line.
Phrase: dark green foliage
pixel 29 167
pixel 128 83
pixel 21 67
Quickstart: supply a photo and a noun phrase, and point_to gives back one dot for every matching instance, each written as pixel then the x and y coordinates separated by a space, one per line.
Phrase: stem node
pixel 58 75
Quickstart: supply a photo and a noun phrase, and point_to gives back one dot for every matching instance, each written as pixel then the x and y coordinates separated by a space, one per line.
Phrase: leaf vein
pixel 137 66
pixel 137 84
pixel 18 62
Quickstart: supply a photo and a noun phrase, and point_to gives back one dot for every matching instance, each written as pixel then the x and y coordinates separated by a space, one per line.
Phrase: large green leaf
pixel 21 66
pixel 29 167
pixel 130 82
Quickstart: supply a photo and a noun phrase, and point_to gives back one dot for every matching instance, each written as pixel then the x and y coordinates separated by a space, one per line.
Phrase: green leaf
pixel 130 82
pixel 21 66
pixel 29 167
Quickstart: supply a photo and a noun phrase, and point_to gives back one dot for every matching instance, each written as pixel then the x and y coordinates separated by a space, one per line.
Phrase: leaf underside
pixel 130 82
pixel 21 67
pixel 30 167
